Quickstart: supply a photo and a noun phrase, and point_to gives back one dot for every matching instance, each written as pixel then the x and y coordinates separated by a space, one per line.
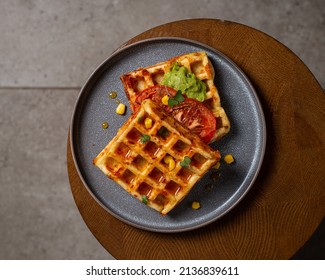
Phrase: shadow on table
pixel 314 249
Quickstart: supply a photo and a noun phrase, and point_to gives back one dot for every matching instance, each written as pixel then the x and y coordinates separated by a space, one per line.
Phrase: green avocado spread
pixel 181 79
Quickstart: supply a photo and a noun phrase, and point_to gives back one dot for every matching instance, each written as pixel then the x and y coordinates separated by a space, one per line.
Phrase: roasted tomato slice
pixel 155 93
pixel 191 113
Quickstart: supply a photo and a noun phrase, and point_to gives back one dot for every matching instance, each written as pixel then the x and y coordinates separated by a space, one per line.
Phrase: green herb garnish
pixel 178 98
pixel 163 131
pixel 140 119
pixel 172 102
pixel 144 199
pixel 186 161
pixel 144 138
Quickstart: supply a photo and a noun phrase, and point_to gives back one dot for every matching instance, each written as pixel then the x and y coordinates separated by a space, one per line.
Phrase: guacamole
pixel 181 79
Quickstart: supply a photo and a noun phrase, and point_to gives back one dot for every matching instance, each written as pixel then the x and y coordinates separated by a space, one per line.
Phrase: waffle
pixel 139 167
pixel 197 63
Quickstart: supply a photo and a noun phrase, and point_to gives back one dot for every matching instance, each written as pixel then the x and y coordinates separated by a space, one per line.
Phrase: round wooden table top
pixel 287 201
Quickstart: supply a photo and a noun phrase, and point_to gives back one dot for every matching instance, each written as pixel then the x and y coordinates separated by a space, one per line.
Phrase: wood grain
pixel 287 201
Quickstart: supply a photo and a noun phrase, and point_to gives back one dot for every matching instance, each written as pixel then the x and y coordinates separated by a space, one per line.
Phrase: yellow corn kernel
pixel 120 109
pixel 170 161
pixel 217 166
pixel 148 123
pixel 165 99
pixel 229 159
pixel 167 159
pixel 171 165
pixel 196 205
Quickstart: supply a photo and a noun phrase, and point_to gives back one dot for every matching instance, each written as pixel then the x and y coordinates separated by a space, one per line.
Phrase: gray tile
pixel 59 43
pixel 39 218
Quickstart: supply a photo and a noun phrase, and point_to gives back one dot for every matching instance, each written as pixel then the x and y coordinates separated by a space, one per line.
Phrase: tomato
pixel 155 93
pixel 191 113
pixel 195 116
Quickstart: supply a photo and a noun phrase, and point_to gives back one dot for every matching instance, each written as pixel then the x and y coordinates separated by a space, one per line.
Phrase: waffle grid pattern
pixel 140 168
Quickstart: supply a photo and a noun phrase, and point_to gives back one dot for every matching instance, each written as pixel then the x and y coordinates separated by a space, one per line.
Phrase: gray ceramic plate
pixel 217 195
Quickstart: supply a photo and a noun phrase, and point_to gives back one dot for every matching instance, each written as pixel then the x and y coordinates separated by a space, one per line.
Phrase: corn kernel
pixel 148 123
pixel 165 99
pixel 196 205
pixel 217 165
pixel 170 161
pixel 120 109
pixel 229 159
pixel 171 165
pixel 167 159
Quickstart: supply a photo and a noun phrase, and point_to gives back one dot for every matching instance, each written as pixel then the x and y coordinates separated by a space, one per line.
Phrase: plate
pixel 219 190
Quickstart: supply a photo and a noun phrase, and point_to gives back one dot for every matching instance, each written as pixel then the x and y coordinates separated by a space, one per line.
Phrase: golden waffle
pixel 197 63
pixel 140 167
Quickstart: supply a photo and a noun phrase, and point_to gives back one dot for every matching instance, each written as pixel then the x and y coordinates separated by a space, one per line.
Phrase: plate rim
pixel 125 47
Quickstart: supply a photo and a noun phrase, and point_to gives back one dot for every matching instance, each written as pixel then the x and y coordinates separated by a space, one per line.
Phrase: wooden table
pixel 287 201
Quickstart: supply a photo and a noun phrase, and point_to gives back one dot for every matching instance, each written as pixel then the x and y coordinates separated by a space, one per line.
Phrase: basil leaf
pixel 144 199
pixel 179 97
pixel 163 131
pixel 172 102
pixel 186 161
pixel 144 138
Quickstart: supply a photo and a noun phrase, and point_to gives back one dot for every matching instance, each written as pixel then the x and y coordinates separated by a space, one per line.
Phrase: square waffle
pixel 197 63
pixel 139 167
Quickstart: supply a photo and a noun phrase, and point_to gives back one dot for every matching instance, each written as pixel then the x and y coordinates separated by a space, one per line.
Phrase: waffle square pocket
pixel 158 163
